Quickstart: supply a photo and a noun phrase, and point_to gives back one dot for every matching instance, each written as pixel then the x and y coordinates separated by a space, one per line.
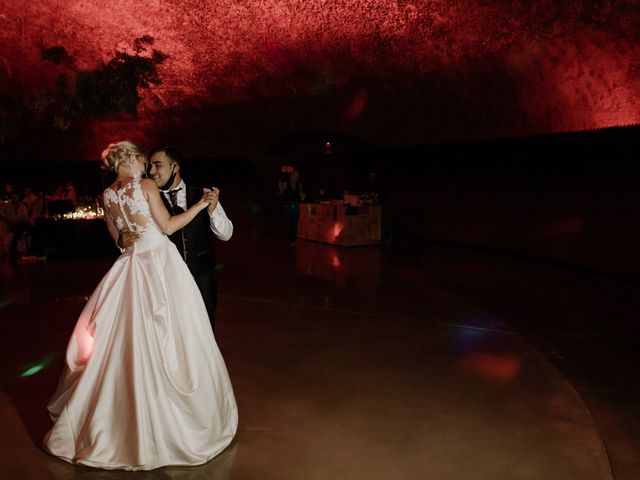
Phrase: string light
pixel 82 213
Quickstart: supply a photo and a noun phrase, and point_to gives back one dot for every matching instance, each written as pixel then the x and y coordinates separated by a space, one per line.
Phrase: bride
pixel 144 384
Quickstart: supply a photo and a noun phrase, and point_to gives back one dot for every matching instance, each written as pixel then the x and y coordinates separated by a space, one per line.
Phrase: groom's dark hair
pixel 172 152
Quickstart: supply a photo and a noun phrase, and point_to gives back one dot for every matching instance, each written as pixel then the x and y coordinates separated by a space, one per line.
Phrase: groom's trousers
pixel 208 286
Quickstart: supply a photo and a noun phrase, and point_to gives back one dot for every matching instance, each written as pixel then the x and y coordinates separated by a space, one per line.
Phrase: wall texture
pixel 242 74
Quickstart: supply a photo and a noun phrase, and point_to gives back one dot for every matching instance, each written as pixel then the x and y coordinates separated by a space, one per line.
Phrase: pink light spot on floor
pixel 499 369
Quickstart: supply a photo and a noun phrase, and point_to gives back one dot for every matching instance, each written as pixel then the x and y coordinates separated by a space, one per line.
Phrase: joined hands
pixel 211 197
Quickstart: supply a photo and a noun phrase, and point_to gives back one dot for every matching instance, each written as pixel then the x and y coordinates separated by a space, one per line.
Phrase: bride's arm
pixel 167 223
pixel 122 238
pixel 113 231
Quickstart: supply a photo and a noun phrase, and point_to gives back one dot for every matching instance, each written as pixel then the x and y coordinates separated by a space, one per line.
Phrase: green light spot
pixel 32 371
pixel 35 367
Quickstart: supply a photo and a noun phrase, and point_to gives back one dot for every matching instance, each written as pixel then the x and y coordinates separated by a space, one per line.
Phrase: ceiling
pixel 238 77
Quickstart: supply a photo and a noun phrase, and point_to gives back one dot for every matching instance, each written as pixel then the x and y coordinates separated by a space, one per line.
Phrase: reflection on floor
pixel 346 363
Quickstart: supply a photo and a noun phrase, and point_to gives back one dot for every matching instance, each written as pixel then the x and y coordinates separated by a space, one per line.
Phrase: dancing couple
pixel 144 384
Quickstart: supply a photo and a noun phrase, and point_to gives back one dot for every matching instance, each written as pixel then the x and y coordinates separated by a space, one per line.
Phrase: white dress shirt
pixel 219 223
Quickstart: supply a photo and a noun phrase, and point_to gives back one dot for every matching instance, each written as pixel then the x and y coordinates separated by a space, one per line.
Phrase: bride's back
pixel 128 207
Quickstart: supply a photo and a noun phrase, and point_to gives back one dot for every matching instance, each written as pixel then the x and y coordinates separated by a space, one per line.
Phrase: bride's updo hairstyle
pixel 123 153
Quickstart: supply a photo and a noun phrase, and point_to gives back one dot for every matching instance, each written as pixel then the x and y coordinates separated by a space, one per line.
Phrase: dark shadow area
pixel 566 199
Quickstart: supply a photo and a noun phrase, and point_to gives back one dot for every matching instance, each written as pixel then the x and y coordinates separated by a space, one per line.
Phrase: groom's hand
pixel 127 238
pixel 212 196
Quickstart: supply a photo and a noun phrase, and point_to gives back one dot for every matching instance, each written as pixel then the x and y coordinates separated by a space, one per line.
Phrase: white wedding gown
pixel 144 384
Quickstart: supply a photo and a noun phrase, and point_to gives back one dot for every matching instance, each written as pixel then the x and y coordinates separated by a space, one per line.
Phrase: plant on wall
pixel 111 90
pixel 114 88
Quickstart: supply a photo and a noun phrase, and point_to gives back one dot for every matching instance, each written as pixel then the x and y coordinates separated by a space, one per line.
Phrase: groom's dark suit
pixel 195 243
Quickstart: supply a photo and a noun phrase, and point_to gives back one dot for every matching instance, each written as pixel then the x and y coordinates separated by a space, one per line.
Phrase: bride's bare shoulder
pixel 112 187
pixel 148 185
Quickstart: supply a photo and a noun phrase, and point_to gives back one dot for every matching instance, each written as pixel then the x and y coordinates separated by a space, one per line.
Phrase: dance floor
pixel 365 363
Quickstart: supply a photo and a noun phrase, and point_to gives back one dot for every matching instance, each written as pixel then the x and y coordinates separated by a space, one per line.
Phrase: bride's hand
pixel 203 202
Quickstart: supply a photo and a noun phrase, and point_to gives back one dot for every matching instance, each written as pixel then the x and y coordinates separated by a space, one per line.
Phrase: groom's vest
pixel 195 242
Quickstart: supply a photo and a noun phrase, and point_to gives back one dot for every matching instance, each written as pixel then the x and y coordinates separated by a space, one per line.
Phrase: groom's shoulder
pixel 193 188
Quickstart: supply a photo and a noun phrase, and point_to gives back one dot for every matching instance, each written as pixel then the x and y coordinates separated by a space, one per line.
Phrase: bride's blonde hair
pixel 119 154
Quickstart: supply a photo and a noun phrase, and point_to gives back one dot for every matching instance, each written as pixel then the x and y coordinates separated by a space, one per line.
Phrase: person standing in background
pixel 291 194
pixel 16 215
pixel 70 193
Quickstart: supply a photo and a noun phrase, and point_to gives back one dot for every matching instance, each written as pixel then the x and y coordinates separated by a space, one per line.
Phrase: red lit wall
pixel 241 75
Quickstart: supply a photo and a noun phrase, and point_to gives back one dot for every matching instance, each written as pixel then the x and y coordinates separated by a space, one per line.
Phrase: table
pixel 77 238
pixel 342 225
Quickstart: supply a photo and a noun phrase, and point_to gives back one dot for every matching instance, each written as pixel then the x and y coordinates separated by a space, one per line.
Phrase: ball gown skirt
pixel 144 385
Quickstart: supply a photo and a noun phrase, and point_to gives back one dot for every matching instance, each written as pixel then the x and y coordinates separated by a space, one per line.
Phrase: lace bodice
pixel 128 208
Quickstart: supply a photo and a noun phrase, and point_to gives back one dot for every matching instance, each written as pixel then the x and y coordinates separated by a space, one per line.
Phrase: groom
pixel 195 242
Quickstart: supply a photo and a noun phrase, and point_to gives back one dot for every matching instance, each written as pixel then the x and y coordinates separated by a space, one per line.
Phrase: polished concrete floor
pixel 369 363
